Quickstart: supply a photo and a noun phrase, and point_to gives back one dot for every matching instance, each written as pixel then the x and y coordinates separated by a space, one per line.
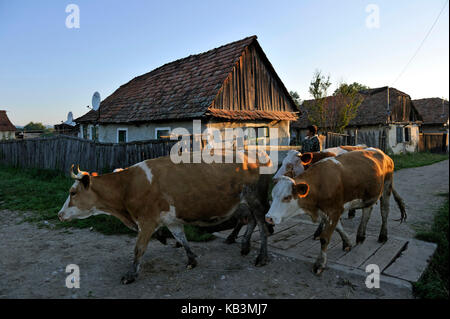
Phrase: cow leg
pixel 232 237
pixel 143 238
pixel 245 248
pixel 347 245
pixel 384 207
pixel 177 231
pixel 262 258
pixel 325 237
pixel 319 229
pixel 361 235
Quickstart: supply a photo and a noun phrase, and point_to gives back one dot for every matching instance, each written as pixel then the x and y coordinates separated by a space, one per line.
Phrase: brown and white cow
pixel 158 192
pixel 356 179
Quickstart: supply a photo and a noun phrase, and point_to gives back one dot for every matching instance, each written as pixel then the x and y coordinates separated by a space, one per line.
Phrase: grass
pixel 43 192
pixel 434 284
pixel 409 160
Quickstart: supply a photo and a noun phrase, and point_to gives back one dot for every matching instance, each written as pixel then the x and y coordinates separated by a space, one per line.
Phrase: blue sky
pixel 47 70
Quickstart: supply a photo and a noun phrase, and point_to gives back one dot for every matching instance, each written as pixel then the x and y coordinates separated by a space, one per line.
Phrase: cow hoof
pixel 245 251
pixel 230 240
pixel 382 238
pixel 191 264
pixel 261 261
pixel 351 214
pixel 318 269
pixel 347 247
pixel 128 278
pixel 177 245
pixel 316 237
pixel 360 239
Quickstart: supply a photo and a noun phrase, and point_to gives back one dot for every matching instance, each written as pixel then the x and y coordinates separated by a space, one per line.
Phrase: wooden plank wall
pixel 433 142
pixel 251 86
pixel 60 152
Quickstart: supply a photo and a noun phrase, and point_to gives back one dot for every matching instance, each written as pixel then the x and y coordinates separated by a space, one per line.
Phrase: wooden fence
pixel 336 139
pixel 60 152
pixel 433 142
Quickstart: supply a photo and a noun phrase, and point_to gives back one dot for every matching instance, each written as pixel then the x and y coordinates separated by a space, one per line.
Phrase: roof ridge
pixel 253 37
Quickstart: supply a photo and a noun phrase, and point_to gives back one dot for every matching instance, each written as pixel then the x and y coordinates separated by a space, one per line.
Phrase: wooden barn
pixel 234 85
pixel 434 129
pixel 7 129
pixel 434 112
pixel 386 119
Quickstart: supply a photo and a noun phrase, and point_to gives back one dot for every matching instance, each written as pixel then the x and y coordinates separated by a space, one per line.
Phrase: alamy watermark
pixel 373 279
pixel 73 280
pixel 373 19
pixel 229 145
pixel 73 19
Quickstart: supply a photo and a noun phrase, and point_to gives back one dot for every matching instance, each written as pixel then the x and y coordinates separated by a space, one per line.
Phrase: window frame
pixel 157 129
pixel 125 129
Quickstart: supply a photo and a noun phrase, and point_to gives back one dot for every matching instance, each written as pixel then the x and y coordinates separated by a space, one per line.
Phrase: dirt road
pixel 33 259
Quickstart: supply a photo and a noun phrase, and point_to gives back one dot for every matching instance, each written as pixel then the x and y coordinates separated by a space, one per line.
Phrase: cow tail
pixel 401 205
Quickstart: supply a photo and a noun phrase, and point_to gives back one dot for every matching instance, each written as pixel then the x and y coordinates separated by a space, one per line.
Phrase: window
pixel 94 133
pixel 122 135
pixel 407 134
pixel 85 131
pixel 399 134
pixel 162 132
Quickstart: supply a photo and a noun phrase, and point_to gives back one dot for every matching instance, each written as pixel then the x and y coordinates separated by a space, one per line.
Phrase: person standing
pixel 311 142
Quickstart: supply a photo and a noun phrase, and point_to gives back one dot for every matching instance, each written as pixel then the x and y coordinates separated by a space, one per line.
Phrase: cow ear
pixel 301 190
pixel 85 180
pixel 306 158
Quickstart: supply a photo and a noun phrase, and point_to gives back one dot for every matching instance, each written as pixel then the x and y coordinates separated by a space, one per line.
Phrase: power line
pixel 421 44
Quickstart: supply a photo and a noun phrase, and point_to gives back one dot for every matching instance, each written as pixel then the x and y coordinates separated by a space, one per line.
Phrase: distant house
pixel 386 119
pixel 69 127
pixel 234 85
pixel 434 112
pixel 7 129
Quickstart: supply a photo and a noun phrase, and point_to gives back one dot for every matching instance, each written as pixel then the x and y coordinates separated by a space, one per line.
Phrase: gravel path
pixel 33 259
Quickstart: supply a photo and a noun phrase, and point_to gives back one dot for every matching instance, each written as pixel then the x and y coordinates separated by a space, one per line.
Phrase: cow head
pixel 293 165
pixel 286 195
pixel 81 199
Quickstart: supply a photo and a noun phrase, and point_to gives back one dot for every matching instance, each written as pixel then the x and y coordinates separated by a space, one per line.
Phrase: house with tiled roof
pixel 434 112
pixel 7 129
pixel 234 85
pixel 385 119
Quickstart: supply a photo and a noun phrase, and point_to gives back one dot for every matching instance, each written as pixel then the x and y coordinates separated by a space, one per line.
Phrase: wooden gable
pixel 253 85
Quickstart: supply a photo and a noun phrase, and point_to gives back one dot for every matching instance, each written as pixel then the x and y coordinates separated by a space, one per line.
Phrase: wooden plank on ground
pixel 291 236
pixel 413 261
pixel 311 248
pixel 386 254
pixel 360 253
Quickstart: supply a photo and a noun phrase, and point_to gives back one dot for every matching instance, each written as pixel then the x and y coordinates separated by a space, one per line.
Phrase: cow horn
pixel 81 173
pixel 72 174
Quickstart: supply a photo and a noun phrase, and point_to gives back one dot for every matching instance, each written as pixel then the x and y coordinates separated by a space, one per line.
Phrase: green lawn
pixel 409 160
pixel 435 281
pixel 43 192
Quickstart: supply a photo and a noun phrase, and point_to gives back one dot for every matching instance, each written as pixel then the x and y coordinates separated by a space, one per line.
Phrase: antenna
pixel 96 101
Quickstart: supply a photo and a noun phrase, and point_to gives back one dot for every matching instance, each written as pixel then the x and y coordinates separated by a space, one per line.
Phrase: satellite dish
pixel 96 101
pixel 70 119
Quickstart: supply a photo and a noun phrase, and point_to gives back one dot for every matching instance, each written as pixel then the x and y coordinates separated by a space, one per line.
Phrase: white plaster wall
pixel 404 147
pixel 108 133
pixel 7 135
pixel 282 126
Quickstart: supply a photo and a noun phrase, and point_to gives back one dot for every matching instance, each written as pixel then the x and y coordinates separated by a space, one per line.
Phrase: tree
pixel 296 97
pixel 34 127
pixel 333 113
pixel 318 88
pixel 345 88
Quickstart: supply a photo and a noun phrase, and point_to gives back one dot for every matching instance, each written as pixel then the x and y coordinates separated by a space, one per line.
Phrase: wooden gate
pixel 433 142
